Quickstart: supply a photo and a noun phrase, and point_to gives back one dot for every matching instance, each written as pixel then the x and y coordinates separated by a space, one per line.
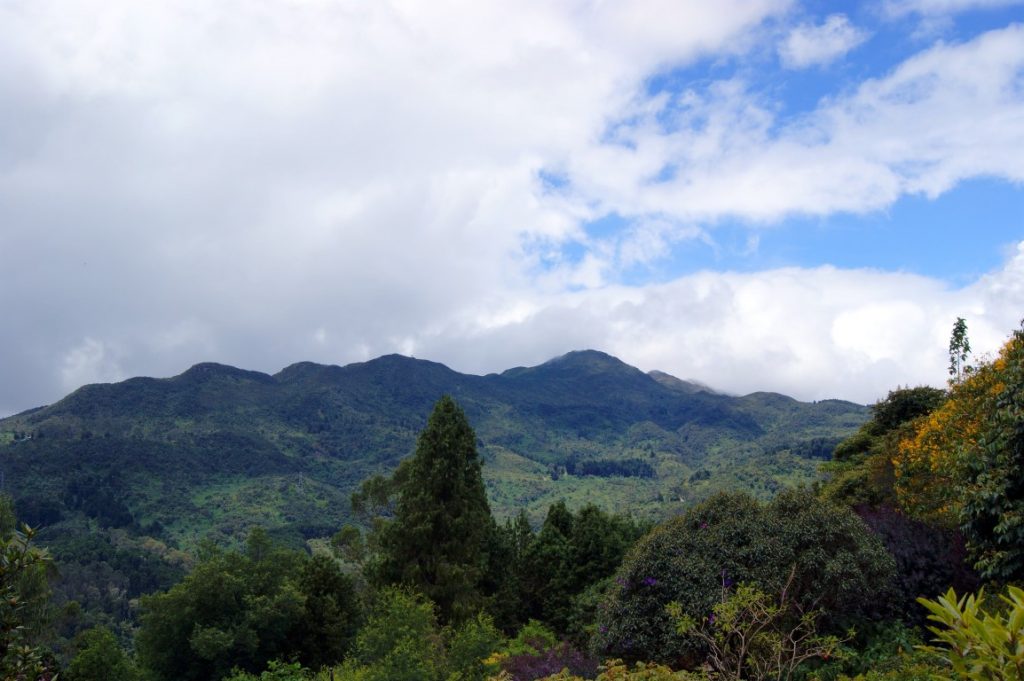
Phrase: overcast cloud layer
pixel 260 183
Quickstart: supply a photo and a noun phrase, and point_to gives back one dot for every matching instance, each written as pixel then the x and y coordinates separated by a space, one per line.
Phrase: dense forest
pixel 901 562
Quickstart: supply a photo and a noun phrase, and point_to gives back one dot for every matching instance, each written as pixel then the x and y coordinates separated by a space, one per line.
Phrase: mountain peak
pixel 205 371
pixel 593 360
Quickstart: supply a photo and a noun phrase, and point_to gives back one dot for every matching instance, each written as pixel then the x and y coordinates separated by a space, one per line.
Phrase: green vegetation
pixel 978 644
pixel 417 580
pixel 749 635
pixel 242 610
pixel 822 554
pixel 24 593
pixel 436 542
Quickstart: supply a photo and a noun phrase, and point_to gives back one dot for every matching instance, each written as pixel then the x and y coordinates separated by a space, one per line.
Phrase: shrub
pixel 978 644
pixel 840 568
pixel 929 559
pixel 750 635
pixel 470 646
pixel 535 652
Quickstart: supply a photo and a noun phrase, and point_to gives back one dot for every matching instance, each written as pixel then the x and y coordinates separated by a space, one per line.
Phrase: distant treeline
pixel 607 468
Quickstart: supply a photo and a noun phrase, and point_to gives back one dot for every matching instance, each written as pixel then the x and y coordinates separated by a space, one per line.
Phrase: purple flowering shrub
pixel 929 559
pixel 527 667
pixel 693 559
pixel 535 653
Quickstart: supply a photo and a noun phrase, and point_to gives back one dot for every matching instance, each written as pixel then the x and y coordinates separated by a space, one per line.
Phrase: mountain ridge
pixel 217 449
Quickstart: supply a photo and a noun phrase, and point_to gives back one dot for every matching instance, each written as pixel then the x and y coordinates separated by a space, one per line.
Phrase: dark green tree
pixel 436 542
pixel 245 609
pixel 837 566
pixel 99 657
pixel 330 619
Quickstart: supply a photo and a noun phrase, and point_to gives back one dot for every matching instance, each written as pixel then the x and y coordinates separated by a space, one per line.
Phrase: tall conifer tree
pixel 436 541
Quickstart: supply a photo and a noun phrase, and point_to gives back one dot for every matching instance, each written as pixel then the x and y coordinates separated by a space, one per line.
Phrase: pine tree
pixel 435 544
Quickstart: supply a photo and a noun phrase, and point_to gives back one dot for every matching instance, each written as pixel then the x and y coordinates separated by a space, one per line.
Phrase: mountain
pixel 216 449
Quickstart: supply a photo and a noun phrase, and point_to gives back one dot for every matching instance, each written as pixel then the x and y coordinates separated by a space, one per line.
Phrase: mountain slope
pixel 216 449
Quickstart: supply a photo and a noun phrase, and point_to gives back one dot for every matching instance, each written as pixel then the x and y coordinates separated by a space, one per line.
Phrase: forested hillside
pixel 217 450
pixel 427 573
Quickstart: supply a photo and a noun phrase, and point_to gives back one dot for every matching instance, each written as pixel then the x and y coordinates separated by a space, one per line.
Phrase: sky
pixel 799 197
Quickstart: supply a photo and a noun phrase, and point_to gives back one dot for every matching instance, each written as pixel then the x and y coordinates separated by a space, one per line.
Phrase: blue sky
pixel 757 194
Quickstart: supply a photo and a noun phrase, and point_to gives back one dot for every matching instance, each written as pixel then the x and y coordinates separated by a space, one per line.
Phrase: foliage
pixel 572 553
pixel 606 468
pixel 399 642
pixel 536 652
pixel 245 609
pixel 749 635
pixel 24 595
pixel 330 616
pixel 978 644
pixel 929 559
pixel 99 657
pixel 880 651
pixel 927 459
pixel 861 471
pixel 435 543
pixel 964 463
pixel 959 349
pixel 841 569
pixel 276 671
pixel 616 670
pixel 470 646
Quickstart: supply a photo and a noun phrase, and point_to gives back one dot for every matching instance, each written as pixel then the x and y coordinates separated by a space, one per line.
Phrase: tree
pixel 331 613
pixel 861 472
pixel 436 542
pixel 841 569
pixel 99 658
pixel 964 463
pixel 400 641
pixel 242 610
pixel 751 636
pixel 959 349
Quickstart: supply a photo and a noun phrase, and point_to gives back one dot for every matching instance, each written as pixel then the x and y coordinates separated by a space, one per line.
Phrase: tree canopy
pixel 436 541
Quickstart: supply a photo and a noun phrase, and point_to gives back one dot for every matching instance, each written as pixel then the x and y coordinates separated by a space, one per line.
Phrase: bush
pixel 978 644
pixel 929 559
pixel 535 652
pixel 840 569
pixel 750 635
pixel 470 646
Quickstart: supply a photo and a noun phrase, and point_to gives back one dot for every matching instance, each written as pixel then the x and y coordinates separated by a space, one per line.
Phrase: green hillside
pixel 216 450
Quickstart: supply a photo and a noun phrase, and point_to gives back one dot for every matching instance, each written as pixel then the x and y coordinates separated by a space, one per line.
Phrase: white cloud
pixel 813 333
pixel 810 45
pixel 262 183
pixel 950 113
pixel 91 361
pixel 898 8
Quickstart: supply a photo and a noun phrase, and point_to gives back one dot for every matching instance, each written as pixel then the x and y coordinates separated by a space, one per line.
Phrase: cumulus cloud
pixel 262 183
pixel 949 113
pixel 810 45
pixel 814 333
